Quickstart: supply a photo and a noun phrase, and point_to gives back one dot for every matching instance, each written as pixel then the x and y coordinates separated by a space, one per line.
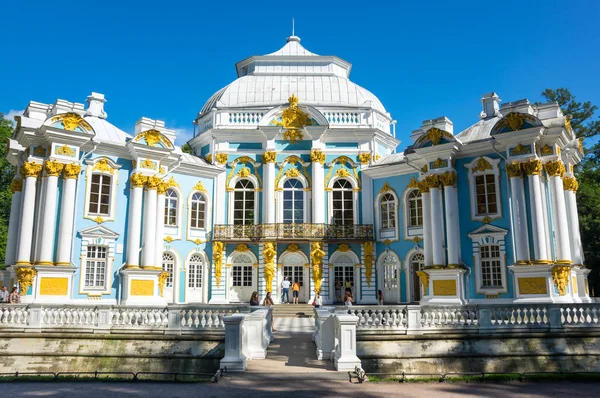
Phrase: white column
pixel 533 168
pixel 269 188
pixel 448 179
pixel 149 237
pixel 67 214
pixel 426 199
pixel 30 173
pixel 220 200
pixel 544 188
pixel 570 184
pixel 436 218
pixel 46 252
pixel 16 187
pixel 555 170
pixel 160 227
pixel 520 229
pixel 135 220
pixel 318 193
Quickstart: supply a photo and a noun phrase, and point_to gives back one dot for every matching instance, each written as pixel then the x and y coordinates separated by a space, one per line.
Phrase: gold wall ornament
pixel 423 186
pixel 16 185
pixel 316 155
pixel 154 137
pixel 317 253
pixel 293 248
pixel 580 144
pixel 368 250
pixel 424 278
pixel 520 150
pixel 198 241
pixel 242 247
pixel 103 166
pixel 344 247
pixel 417 239
pixel 162 279
pixel 269 157
pixel 244 172
pixel 200 187
pixel 513 121
pixel 385 188
pixel 25 277
pixel 39 151
pixel 364 158
pixel 218 260
pixel 555 168
pixel 148 164
pixel 547 150
pixel 168 239
pixel 434 135
pixel 433 181
pixel 162 188
pixel 292 173
pixel 413 183
pixel 138 180
pixel 486 220
pixel 532 167
pixel 153 182
pixel 481 166
pixel 514 169
pixel 424 169
pixel 533 285
pixel 439 164
pixel 172 183
pixel 221 158
pixel 162 170
pixel 53 168
pixel 448 179
pixel 244 159
pixel 568 124
pixel 560 276
pixel 342 172
pixel 569 183
pixel 31 169
pixel 269 254
pixel 71 170
pixel 65 150
pixel 293 119
pixel 98 220
pixel 71 121
pixel 444 287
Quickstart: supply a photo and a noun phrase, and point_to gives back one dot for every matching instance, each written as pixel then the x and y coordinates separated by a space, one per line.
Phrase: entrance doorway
pixel 195 280
pixel 168 265
pixel 294 270
pixel 343 274
pixel 417 261
pixel 389 272
pixel 242 279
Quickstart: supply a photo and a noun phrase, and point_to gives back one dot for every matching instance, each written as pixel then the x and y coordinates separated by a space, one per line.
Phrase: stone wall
pixel 507 352
pixel 56 352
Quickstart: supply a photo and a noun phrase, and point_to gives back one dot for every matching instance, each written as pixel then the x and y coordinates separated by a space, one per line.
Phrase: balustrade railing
pixel 301 231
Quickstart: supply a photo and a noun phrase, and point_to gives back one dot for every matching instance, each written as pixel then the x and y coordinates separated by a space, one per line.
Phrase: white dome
pixel 269 80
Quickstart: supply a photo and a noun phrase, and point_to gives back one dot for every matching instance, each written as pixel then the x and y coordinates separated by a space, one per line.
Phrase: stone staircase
pixel 293 311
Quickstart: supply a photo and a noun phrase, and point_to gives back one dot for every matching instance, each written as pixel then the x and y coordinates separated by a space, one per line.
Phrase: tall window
pixel 171 208
pixel 485 189
pixel 100 195
pixel 343 203
pixel 417 262
pixel 168 265
pixel 491 272
pixel 415 209
pixel 198 211
pixel 390 271
pixel 95 267
pixel 388 211
pixel 195 271
pixel 243 203
pixel 293 201
pixel 241 271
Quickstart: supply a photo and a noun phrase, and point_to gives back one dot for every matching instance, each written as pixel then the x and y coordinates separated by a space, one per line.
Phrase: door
pixel 391 280
pixel 416 264
pixel 293 269
pixel 168 265
pixel 194 279
pixel 343 273
pixel 242 279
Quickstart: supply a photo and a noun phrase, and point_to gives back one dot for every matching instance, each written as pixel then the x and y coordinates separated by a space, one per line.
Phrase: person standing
pixel 268 302
pixel 338 291
pixel 379 297
pixel 4 294
pixel 285 286
pixel 254 299
pixel 14 297
pixel 318 301
pixel 295 291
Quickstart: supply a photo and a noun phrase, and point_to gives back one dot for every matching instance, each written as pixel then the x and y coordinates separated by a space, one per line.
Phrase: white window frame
pixel 382 234
pixel 191 210
pixel 305 197
pixel 356 275
pixel 410 232
pixel 355 188
pixel 495 171
pixel 96 260
pixel 231 195
pixel 484 236
pixel 381 271
pixel 231 259
pixel 97 236
pixel 172 273
pixel 198 233
pixel 177 200
pixel 206 275
pixel 409 273
pixel 113 173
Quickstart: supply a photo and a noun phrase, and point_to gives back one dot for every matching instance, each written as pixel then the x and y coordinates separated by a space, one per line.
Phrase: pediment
pixel 487 229
pixel 99 231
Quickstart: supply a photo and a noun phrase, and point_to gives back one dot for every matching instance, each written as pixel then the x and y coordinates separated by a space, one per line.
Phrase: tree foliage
pixel 6 175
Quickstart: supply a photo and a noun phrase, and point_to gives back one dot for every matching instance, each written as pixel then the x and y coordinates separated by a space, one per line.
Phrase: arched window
pixel 417 262
pixel 168 265
pixel 243 203
pixel 293 201
pixel 198 211
pixel 415 209
pixel 195 265
pixel 100 194
pixel 491 268
pixel 343 202
pixel 387 204
pixel 95 267
pixel 171 208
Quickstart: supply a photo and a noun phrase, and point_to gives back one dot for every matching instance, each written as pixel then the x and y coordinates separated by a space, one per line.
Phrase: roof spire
pixel 293 27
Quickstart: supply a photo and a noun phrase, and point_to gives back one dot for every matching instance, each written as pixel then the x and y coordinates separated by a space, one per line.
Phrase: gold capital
pixel 423 187
pixel 532 167
pixel 364 158
pixel 448 179
pixel 433 181
pixel 221 158
pixel 570 184
pixel 316 155
pixel 138 180
pixel 269 157
pixel 514 169
pixel 153 182
pixel 31 169
pixel 71 170
pixel 16 185
pixel 555 168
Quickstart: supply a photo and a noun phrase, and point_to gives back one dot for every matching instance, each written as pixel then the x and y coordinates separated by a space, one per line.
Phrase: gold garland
pixel 368 257
pixel 218 260
pixel 560 276
pixel 25 277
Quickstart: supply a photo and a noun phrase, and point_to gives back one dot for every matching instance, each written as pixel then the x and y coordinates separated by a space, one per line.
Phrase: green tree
pixel 588 176
pixel 6 176
pixel 186 148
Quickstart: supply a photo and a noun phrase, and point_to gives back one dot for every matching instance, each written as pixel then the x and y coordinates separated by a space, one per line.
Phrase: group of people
pixel 10 298
pixel 285 290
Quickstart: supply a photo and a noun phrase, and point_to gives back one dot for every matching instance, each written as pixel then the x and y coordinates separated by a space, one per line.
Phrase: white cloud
pixel 183 135
pixel 10 115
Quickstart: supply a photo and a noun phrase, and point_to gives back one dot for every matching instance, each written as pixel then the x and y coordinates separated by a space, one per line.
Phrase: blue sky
pixel 422 59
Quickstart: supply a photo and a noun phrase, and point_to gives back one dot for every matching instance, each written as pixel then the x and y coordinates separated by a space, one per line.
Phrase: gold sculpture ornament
pixel 364 158
pixel 555 168
pixel 424 278
pixel 65 150
pixel 31 169
pixel 293 119
pixel 570 184
pixel 218 260
pixel 316 155
pixel 269 253
pixel 53 168
pixel 244 172
pixel 221 158
pixel 138 180
pixel 162 279
pixel 448 179
pixel 368 257
pixel 16 185
pixel 316 256
pixel 25 277
pixel 439 163
pixel 514 170
pixel 292 173
pixel 71 121
pixel 532 167
pixel 482 165
pixel 153 137
pixel 269 157
pixel 102 165
pixel 71 170
pixel 520 150
pixel 560 276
